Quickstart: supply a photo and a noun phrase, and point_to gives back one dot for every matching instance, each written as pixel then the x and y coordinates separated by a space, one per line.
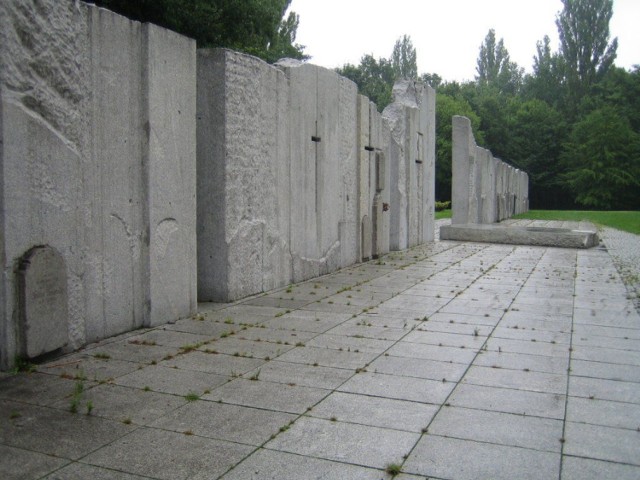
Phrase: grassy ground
pixel 443 214
pixel 627 221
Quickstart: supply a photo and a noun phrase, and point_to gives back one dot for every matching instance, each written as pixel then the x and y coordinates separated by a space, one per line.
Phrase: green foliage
pixel 375 78
pixel 495 68
pixel 393 469
pixel 547 81
pixel 537 132
pixel 256 27
pixel 22 365
pixel 448 105
pixel 443 214
pixel 404 59
pixel 583 28
pixel 441 206
pixel 602 157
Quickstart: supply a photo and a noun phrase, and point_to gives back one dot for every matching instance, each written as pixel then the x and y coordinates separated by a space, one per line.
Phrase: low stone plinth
pixel 536 236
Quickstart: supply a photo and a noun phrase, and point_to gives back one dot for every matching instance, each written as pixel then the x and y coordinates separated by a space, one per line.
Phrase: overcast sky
pixel 447 34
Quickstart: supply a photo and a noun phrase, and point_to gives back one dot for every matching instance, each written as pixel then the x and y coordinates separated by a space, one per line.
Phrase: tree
pixel 432 79
pixel 404 59
pixel 619 89
pixel 374 79
pixel 547 81
pixel 448 105
pixel 256 27
pixel 537 132
pixel 583 27
pixel 602 158
pixel 495 68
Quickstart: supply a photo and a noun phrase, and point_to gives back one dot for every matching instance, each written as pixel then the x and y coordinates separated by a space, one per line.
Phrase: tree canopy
pixel 257 27
pixel 573 124
pixel 375 78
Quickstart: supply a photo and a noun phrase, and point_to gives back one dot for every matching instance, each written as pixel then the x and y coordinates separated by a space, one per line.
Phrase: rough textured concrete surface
pixel 373 180
pixel 412 163
pixel 536 236
pixel 243 176
pixel 295 173
pixel 171 175
pixel 484 189
pixel 97 117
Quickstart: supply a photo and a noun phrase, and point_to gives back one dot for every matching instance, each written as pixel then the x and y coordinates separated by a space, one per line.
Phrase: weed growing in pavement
pixel 393 469
pixel 76 397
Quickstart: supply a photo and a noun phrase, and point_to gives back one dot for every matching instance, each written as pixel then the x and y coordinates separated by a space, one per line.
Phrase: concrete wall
pixel 104 141
pixel 97 162
pixel 484 189
pixel 296 173
pixel 412 162
pixel 374 176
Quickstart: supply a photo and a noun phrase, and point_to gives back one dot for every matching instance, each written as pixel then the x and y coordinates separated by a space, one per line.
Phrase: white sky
pixel 447 34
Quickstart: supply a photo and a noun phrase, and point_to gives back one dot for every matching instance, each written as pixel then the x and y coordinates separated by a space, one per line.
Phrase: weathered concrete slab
pixel 97 148
pixel 274 465
pixel 169 455
pixel 544 237
pixel 351 443
pixel 442 457
pixel 412 163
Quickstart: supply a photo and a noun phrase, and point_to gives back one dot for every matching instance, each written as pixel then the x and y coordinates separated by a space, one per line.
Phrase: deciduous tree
pixel 495 68
pixel 602 158
pixel 583 27
pixel 257 27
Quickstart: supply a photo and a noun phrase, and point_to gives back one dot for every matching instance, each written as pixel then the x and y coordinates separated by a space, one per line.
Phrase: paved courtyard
pixel 447 361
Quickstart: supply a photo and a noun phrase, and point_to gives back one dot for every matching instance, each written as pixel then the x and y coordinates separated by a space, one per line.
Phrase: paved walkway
pixel 447 361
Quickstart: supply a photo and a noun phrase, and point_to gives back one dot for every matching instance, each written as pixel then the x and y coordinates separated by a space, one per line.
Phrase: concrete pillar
pixel 462 161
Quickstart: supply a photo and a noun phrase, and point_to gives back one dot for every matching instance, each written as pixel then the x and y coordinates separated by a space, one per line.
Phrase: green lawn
pixel 443 214
pixel 627 221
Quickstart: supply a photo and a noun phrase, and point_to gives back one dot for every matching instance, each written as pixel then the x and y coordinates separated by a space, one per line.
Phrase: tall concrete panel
pixel 463 147
pixel 412 162
pixel 348 228
pixel 322 145
pixel 116 230
pixel 365 149
pixel 428 127
pixel 90 142
pixel 43 150
pixel 243 180
pixel 171 175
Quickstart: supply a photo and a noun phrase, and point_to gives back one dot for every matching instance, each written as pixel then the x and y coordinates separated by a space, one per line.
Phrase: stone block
pixel 97 122
pixel 171 100
pixel 243 179
pixel 548 237
pixel 409 119
pixel 462 138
